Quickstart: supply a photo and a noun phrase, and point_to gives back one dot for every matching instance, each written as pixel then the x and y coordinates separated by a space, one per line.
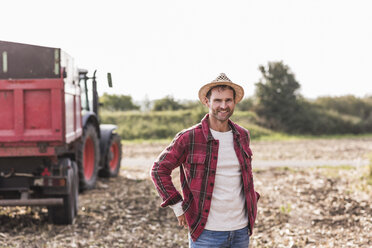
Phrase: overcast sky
pixel 171 47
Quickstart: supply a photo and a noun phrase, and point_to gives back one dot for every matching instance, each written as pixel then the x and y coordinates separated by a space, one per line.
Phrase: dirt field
pixel 300 206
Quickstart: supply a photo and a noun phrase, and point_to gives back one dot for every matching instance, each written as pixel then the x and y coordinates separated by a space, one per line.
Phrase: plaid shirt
pixel 196 151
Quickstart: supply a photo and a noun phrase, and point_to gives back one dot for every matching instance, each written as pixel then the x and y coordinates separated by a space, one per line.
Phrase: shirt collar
pixel 207 133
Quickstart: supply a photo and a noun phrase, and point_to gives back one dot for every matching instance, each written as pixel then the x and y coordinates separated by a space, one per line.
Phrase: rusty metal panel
pixel 23 61
pixel 27 151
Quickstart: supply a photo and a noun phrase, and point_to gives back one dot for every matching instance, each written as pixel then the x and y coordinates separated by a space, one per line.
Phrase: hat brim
pixel 239 91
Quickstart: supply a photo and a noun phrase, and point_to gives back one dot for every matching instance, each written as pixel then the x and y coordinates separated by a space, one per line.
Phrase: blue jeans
pixel 221 239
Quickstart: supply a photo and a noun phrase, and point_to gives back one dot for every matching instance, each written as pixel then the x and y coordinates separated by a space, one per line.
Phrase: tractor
pixel 52 145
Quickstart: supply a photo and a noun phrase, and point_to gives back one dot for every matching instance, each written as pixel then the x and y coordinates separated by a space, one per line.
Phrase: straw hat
pixel 222 79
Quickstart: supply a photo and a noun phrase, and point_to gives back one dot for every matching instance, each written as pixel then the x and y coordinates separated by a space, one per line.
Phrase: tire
pixel 112 158
pixel 76 184
pixel 88 158
pixel 65 214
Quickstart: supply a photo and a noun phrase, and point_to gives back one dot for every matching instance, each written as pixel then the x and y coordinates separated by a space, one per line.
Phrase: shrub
pixel 166 103
pixel 166 124
pixel 117 102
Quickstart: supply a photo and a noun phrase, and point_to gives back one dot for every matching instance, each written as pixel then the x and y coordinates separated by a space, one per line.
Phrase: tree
pixel 246 104
pixel 278 96
pixel 166 103
pixel 118 102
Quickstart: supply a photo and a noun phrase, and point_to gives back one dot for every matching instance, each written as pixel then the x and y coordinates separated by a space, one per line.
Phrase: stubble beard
pixel 215 114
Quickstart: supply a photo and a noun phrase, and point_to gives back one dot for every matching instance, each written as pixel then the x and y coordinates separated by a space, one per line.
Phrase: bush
pixel 148 125
pixel 245 105
pixel 310 119
pixel 166 124
pixel 166 103
pixel 349 105
pixel 117 102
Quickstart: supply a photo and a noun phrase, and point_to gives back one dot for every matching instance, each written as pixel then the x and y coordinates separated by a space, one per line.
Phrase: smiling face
pixel 221 104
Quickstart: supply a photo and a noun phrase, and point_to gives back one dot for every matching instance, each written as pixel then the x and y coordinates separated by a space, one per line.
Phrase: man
pixel 219 203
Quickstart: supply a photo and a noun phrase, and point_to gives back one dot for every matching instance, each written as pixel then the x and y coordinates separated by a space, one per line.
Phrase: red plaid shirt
pixel 196 151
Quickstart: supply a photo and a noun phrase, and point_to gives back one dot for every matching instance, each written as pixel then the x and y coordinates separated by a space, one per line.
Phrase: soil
pixel 312 206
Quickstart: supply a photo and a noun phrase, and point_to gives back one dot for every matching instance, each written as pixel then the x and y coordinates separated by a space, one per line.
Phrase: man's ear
pixel 206 102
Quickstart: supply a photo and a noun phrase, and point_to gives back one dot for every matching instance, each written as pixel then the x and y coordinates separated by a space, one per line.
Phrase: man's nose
pixel 223 104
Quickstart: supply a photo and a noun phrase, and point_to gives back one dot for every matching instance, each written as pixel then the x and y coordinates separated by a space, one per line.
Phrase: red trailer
pixel 51 142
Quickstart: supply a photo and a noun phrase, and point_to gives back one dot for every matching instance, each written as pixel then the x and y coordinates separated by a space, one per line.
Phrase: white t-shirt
pixel 227 212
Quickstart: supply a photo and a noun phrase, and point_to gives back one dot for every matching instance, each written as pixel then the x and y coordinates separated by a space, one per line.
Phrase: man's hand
pixel 182 221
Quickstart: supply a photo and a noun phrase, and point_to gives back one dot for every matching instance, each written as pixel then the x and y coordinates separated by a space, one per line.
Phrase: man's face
pixel 221 104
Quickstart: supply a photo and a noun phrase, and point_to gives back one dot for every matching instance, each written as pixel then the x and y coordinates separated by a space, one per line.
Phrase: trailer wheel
pixel 88 158
pixel 76 184
pixel 111 163
pixel 66 213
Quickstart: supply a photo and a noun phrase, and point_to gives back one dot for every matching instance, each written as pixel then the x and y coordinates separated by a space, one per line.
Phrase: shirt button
pixel 215 142
pixel 206 210
pixel 208 197
pixel 211 184
pixel 214 157
pixel 202 224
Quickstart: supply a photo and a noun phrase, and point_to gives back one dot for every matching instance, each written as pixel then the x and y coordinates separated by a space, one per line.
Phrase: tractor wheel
pixel 88 158
pixel 111 163
pixel 66 213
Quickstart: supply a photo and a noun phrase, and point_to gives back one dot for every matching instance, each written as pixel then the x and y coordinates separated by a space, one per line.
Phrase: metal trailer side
pixel 40 125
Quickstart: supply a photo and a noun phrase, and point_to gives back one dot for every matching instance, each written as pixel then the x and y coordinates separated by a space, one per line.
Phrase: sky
pixel 170 47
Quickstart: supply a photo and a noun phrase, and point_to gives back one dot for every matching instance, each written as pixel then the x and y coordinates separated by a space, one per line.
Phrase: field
pixel 314 193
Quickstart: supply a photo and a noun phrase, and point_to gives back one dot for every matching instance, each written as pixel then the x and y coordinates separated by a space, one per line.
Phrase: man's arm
pixel 172 157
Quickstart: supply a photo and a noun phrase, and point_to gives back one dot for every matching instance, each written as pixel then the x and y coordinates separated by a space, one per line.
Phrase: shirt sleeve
pixel 172 157
pixel 177 209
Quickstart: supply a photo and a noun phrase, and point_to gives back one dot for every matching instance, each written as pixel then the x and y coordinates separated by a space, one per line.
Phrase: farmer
pixel 219 203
